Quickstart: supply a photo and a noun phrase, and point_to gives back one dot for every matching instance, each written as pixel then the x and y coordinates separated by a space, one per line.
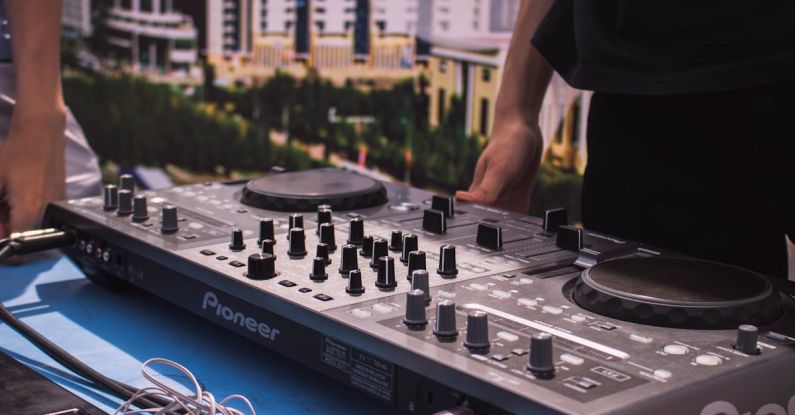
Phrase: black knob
pixel 356 231
pixel 396 241
pixel 415 317
pixel 489 236
pixel 434 221
pixel 237 243
pixel 386 274
pixel 266 231
pixel 355 286
pixel 380 248
pixel 297 243
pixel 419 281
pixel 447 265
pixel 444 204
pixel 553 218
pixel 477 340
pixel 416 261
pixel 327 236
pixel 168 219
pixel 127 182
pixel 110 197
pixel 323 216
pixel 747 339
pixel 445 328
pixel 140 210
pixel 367 247
pixel 348 260
pixel 267 246
pixel 569 237
pixel 318 270
pixel 322 252
pixel 125 202
pixel 261 266
pixel 410 244
pixel 295 220
pixel 541 359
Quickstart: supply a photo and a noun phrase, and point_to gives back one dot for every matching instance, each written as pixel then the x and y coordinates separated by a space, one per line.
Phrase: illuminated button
pixel 382 308
pixel 578 318
pixel 552 309
pixel 501 294
pixel 507 336
pixel 528 302
pixel 478 287
pixel 675 349
pixel 572 359
pixel 708 360
pixel 358 312
pixel 640 338
pixel 662 374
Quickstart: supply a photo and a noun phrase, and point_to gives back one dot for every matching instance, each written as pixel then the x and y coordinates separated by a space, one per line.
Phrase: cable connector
pixel 21 243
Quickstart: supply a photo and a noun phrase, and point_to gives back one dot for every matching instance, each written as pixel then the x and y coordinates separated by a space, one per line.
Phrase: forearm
pixel 35 40
pixel 526 73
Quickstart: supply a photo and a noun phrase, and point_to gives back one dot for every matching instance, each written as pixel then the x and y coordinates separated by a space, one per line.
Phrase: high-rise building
pixel 152 36
pixel 76 20
pixel 229 29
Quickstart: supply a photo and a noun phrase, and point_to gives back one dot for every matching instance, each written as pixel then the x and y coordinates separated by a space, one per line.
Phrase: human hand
pixel 506 171
pixel 32 169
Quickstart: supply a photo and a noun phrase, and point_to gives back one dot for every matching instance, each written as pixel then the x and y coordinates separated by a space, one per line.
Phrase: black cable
pixel 36 241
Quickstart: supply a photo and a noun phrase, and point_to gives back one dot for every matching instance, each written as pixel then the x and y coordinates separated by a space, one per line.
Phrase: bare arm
pixel 32 157
pixel 506 170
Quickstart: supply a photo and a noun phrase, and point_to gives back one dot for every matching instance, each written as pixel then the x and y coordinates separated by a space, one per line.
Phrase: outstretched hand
pixel 506 171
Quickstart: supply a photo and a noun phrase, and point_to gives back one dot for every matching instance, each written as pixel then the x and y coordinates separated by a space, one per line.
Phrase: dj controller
pixel 429 305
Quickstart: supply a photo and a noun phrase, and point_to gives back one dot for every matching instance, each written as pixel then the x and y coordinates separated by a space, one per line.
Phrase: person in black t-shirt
pixel 689 137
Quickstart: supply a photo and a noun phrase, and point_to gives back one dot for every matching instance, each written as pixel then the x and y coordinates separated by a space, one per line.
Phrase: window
pixel 444 25
pixel 146 6
pixel 320 25
pixel 440 105
pixel 486 75
pixel 484 116
pixel 320 10
pixel 443 66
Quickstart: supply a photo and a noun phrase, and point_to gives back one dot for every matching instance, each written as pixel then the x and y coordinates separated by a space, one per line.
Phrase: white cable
pixel 200 403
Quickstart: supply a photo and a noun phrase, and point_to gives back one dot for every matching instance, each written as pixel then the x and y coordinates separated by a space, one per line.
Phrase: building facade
pixel 76 21
pixel 151 36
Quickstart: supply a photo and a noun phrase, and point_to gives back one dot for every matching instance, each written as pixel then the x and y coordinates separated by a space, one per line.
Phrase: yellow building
pixel 470 71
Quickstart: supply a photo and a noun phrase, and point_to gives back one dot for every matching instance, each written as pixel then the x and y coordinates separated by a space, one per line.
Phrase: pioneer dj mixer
pixel 427 304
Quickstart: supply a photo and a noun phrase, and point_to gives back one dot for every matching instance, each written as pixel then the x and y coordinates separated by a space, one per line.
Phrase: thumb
pixel 476 195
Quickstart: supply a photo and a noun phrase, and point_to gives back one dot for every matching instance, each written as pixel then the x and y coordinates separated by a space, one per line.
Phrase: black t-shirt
pixel 662 47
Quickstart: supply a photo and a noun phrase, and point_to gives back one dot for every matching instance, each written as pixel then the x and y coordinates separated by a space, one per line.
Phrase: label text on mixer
pixel 211 302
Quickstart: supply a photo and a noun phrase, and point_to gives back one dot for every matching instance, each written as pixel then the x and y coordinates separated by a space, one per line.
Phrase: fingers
pixel 480 169
pixel 4 231
pixel 476 195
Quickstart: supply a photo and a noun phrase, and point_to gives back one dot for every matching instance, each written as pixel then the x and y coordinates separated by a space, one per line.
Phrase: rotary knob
pixel 396 241
pixel 477 340
pixel 541 357
pixel 318 270
pixel 127 182
pixel 410 244
pixel 356 231
pixel 237 243
pixel 447 263
pixel 415 317
pixel 297 247
pixel 295 220
pixel 110 198
pixel 380 249
pixel 267 246
pixel 321 251
pixel 419 281
pixel 747 339
pixel 445 328
pixel 125 203
pixel 355 286
pixel 416 261
pixel 386 274
pixel 327 236
pixel 348 260
pixel 140 210
pixel 261 266
pixel 266 231
pixel 168 219
pixel 367 247
pixel 323 216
